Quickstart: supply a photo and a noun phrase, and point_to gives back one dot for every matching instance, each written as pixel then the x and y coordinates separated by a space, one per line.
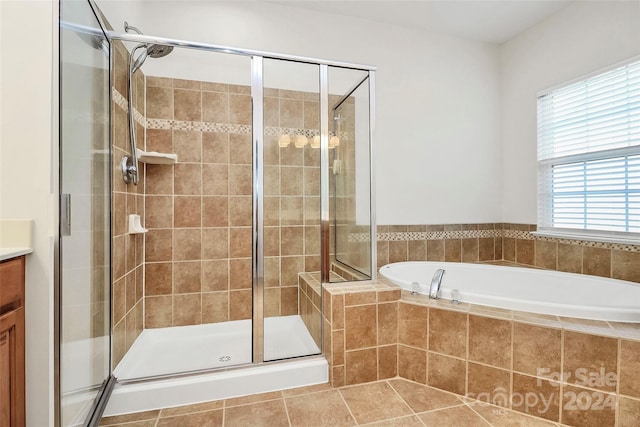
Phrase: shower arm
pixel 130 165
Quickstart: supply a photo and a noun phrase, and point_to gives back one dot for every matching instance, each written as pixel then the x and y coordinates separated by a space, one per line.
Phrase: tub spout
pixel 435 283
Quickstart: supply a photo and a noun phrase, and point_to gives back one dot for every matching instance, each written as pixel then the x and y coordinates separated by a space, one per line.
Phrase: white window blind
pixel 589 155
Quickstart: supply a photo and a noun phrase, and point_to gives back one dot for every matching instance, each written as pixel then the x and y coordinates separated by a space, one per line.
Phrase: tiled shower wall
pixel 127 268
pixel 199 211
pixel 508 242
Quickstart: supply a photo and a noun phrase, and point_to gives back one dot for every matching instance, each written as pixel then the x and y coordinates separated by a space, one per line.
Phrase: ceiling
pixel 483 20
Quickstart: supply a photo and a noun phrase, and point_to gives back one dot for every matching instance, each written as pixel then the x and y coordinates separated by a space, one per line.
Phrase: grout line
pixel 286 409
pixel 347 405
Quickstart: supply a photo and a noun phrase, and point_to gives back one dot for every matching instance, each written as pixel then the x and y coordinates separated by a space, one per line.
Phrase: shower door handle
pixel 65 214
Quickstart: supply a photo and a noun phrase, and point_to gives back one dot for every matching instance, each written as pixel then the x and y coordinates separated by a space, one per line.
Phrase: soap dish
pixel 155 158
pixel 134 225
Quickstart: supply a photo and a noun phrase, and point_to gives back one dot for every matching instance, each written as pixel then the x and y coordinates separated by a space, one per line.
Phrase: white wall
pixel 580 39
pixel 26 152
pixel 438 122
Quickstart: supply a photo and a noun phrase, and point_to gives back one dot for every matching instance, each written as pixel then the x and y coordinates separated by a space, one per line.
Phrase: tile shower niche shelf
pixel 155 158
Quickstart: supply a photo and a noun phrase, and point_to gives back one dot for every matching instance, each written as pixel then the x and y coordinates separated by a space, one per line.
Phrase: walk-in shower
pixel 254 191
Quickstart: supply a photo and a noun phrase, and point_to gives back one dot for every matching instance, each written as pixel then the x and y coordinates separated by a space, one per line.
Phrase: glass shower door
pixel 85 258
pixel 292 291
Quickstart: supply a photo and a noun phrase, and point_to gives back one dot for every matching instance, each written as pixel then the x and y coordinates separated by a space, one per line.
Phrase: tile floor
pixel 393 402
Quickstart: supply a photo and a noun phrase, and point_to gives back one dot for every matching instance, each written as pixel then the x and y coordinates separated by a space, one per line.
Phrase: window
pixel 589 156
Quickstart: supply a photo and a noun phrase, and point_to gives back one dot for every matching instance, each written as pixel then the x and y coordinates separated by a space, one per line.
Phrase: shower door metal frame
pixel 257 99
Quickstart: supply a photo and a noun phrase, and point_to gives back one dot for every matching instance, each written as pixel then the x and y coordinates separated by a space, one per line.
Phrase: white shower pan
pixel 175 350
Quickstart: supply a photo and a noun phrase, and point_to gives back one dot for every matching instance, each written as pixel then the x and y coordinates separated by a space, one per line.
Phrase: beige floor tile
pixel 410 421
pixel 199 419
pixel 264 414
pixel 305 390
pixel 188 409
pixel 324 408
pixel 127 418
pixel 146 423
pixel 453 417
pixel 252 398
pixel 423 398
pixel 374 402
pixel 500 417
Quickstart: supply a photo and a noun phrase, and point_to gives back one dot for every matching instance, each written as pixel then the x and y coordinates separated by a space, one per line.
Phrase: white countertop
pixel 8 253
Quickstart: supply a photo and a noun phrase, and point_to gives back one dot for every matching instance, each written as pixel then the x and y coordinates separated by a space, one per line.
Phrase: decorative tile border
pixel 122 102
pixel 482 234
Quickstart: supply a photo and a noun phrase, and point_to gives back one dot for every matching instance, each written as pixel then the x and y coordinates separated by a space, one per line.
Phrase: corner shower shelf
pixel 135 227
pixel 155 158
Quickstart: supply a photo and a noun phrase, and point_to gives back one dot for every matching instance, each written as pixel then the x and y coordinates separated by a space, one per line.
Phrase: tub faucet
pixel 435 283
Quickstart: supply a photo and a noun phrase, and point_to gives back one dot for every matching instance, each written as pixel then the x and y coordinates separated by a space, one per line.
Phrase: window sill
pixel 633 239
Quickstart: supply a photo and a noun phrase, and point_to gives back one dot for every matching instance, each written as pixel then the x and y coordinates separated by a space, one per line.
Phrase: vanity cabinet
pixel 12 373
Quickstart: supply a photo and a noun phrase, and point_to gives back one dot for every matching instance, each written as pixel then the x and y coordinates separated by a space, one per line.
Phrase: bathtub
pixel 524 289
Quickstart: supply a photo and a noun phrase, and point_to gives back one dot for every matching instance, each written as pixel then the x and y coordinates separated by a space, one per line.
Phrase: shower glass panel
pixel 85 262
pixel 292 304
pixel 350 176
pixel 198 212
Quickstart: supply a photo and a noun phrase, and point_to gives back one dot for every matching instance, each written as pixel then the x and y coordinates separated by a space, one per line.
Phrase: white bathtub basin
pixel 525 289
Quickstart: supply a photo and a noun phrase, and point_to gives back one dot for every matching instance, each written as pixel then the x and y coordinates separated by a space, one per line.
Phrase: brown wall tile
pixel 240 305
pixel 547 402
pixel 361 366
pixel 159 103
pixel 158 312
pixel 398 251
pixel 215 107
pixel 628 412
pixel 158 212
pixel 412 325
pixel 536 350
pixel 417 250
pixel 187 211
pixel 546 254
pixel 446 373
pixel 289 300
pixel 509 249
pixel 490 341
pixel 569 258
pixel 493 381
pixel 625 265
pixel 470 250
pixel 412 364
pixel 448 332
pixel 186 277
pixel 215 307
pixel 387 361
pixel 596 261
pixel 215 179
pixel 525 251
pixel 387 323
pixel 187 309
pixel 157 247
pixel 453 250
pixel 586 355
pixel 576 413
pixel 215 147
pixel 630 368
pixel 187 179
pixel 360 327
pixel 486 249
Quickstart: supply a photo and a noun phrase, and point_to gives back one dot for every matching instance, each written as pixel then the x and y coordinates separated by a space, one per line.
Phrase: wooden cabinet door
pixel 12 397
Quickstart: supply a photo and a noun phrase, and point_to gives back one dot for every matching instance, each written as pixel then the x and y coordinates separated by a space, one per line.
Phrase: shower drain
pixel 224 358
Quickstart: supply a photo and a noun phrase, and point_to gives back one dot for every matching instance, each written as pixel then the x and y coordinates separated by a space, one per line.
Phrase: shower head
pixel 149 50
pixel 152 50
pixel 158 50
